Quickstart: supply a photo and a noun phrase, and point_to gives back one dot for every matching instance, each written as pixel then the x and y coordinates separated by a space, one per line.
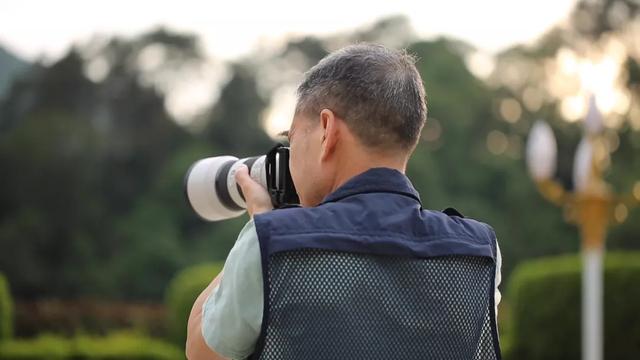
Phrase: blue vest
pixel 370 274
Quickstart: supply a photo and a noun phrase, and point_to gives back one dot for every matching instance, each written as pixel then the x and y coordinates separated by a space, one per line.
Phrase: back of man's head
pixel 377 91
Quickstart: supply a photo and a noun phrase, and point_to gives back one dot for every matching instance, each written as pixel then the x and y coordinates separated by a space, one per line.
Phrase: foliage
pixel 11 66
pixel 182 293
pixel 6 310
pixel 67 317
pixel 120 345
pixel 544 297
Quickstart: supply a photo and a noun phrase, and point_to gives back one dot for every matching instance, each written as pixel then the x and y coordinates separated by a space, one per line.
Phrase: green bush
pixel 506 345
pixel 545 300
pixel 88 315
pixel 121 345
pixel 182 292
pixel 6 309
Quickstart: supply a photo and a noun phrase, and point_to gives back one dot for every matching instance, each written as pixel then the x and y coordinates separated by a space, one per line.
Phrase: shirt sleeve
pixel 232 314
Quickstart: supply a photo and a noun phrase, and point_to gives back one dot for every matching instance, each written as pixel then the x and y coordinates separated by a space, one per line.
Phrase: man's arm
pixel 258 201
pixel 197 348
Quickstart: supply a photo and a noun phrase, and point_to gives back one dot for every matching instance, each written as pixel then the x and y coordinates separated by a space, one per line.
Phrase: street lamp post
pixel 591 206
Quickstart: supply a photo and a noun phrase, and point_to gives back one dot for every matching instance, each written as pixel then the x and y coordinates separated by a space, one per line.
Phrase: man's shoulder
pixel 455 218
pixel 356 215
pixel 354 224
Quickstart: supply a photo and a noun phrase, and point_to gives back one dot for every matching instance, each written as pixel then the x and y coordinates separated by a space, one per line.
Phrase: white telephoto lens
pixel 201 190
pixel 232 184
pixel 258 171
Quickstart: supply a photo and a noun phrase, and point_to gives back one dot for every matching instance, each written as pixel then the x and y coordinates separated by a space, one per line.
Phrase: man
pixel 360 270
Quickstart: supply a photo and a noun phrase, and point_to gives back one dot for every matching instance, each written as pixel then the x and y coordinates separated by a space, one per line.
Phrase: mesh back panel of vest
pixel 325 304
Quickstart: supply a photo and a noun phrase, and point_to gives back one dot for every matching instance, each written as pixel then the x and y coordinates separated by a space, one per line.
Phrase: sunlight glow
pixel 575 77
pixel 510 110
pixel 278 116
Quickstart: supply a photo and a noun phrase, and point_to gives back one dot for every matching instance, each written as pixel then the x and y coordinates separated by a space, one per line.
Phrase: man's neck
pixel 360 161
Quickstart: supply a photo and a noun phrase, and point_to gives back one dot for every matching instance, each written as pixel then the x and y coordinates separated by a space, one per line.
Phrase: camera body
pixel 212 192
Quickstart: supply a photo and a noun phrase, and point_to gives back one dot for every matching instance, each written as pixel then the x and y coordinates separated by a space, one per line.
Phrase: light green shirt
pixel 232 315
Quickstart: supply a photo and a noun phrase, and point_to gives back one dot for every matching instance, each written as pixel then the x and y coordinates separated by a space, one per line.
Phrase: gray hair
pixel 377 91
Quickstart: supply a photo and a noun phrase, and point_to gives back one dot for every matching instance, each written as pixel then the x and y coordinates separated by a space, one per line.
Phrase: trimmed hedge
pixel 6 310
pixel 545 300
pixel 182 293
pixel 86 315
pixel 121 345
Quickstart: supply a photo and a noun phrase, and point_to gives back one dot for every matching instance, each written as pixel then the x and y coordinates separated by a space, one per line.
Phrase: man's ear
pixel 328 122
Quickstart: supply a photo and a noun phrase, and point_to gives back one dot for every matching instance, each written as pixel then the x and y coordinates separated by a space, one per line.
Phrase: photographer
pixel 361 270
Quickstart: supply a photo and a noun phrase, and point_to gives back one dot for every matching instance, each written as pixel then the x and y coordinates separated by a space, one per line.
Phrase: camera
pixel 212 192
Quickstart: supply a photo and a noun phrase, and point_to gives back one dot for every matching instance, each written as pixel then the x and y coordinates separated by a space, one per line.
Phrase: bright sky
pixel 232 28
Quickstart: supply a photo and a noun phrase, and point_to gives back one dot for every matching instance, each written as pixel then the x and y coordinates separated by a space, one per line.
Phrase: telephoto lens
pixel 211 188
pixel 210 184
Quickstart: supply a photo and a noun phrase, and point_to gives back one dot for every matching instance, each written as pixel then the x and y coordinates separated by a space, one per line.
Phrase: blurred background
pixel 103 107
